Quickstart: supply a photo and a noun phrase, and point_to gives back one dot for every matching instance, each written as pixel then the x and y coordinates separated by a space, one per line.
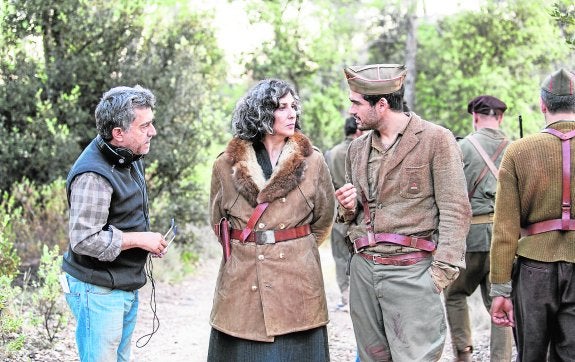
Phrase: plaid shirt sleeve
pixel 90 198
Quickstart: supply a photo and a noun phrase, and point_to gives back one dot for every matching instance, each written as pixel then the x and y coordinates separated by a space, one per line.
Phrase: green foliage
pixel 308 46
pixel 563 12
pixel 186 121
pixel 43 218
pixel 48 296
pixel 59 57
pixel 389 33
pixel 504 50
pixel 11 321
pixel 9 259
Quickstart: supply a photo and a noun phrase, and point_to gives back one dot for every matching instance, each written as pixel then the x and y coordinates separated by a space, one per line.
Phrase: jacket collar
pixel 248 176
pixel 409 139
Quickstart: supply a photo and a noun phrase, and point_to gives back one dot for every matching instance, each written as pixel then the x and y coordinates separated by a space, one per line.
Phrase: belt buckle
pixel 265 237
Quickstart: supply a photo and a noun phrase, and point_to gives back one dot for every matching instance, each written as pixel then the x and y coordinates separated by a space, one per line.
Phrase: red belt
pixel 411 241
pixel 398 260
pixel 273 236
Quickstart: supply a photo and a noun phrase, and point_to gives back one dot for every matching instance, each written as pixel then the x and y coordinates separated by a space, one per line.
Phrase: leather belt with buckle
pixel 411 241
pixel 262 237
pixel 397 260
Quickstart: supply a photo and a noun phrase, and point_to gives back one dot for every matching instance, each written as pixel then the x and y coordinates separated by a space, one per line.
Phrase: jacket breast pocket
pixel 415 182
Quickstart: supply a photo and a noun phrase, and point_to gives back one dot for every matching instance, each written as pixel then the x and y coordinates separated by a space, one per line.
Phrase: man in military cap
pixel 534 226
pixel 408 215
pixel 482 153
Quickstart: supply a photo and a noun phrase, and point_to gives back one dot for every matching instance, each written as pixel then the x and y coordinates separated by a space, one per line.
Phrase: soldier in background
pixel 335 158
pixel 482 153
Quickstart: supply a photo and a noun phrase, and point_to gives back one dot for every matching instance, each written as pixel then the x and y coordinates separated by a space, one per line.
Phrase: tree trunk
pixel 410 57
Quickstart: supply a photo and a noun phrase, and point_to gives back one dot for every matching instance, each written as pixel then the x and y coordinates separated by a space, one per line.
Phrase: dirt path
pixel 183 309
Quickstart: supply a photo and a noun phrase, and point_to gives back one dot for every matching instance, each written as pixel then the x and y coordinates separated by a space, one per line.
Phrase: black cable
pixel 148 269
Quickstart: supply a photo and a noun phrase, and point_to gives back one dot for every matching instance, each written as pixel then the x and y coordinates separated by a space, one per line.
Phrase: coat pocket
pixel 415 182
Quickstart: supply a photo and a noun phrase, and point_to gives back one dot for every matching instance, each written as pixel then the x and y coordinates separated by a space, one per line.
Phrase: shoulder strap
pixel 565 223
pixel 258 211
pixel 488 161
pixel 485 157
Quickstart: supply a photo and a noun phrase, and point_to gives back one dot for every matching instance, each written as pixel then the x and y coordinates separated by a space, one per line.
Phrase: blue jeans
pixel 105 320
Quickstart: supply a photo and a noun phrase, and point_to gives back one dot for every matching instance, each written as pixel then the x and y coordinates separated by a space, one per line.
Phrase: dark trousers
pixel 476 274
pixel 544 306
pixel 305 346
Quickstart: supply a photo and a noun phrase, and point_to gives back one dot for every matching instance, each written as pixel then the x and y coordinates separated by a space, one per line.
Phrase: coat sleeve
pixel 450 191
pixel 324 203
pixel 345 216
pixel 216 194
pixel 506 224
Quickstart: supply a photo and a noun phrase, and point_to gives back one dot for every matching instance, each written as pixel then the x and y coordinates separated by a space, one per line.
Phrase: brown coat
pixel 421 189
pixel 268 290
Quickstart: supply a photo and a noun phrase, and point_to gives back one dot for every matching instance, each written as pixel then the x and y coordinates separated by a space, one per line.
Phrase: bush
pixel 43 219
pixel 11 321
pixel 9 259
pixel 48 296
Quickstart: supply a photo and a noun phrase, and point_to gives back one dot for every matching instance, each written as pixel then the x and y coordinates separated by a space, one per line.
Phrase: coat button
pixel 254 288
pixel 261 257
pixel 282 255
pixel 283 199
pixel 261 225
pixel 282 226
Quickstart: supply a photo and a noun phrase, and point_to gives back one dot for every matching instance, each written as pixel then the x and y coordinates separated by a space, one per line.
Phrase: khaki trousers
pixel 340 252
pixel 396 313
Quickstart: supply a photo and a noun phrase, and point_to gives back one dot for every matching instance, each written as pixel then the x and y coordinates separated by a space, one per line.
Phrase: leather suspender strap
pixel 258 211
pixel 488 161
pixel 565 223
pixel 484 155
pixel 367 218
pixel 373 238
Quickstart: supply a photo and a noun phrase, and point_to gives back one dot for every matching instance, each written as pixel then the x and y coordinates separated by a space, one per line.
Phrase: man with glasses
pixel 110 237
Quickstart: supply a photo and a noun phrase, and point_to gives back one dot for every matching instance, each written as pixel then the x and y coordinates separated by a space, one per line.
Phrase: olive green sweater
pixel 528 191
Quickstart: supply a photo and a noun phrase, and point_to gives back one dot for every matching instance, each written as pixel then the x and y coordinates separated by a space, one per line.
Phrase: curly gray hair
pixel 116 108
pixel 253 116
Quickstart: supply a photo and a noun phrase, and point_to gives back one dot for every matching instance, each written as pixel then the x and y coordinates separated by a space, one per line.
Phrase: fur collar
pixel 248 176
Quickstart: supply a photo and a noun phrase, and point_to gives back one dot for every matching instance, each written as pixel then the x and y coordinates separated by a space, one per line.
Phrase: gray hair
pixel 116 108
pixel 253 116
pixel 558 104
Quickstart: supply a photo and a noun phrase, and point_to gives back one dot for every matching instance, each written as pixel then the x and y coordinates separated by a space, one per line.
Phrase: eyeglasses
pixel 170 235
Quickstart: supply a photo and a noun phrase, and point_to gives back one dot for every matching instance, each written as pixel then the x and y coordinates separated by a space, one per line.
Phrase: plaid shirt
pixel 90 197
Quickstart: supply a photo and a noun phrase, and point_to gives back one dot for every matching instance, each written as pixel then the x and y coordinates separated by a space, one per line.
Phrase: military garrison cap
pixel 560 83
pixel 486 105
pixel 375 79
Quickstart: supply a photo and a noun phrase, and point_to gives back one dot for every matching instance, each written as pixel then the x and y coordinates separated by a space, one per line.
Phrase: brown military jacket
pixel 421 189
pixel 268 290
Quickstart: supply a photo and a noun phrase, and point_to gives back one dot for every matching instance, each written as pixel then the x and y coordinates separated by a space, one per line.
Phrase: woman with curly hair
pixel 275 190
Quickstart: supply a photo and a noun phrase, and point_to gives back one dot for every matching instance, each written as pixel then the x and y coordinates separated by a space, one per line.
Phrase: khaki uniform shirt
pixel 483 199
